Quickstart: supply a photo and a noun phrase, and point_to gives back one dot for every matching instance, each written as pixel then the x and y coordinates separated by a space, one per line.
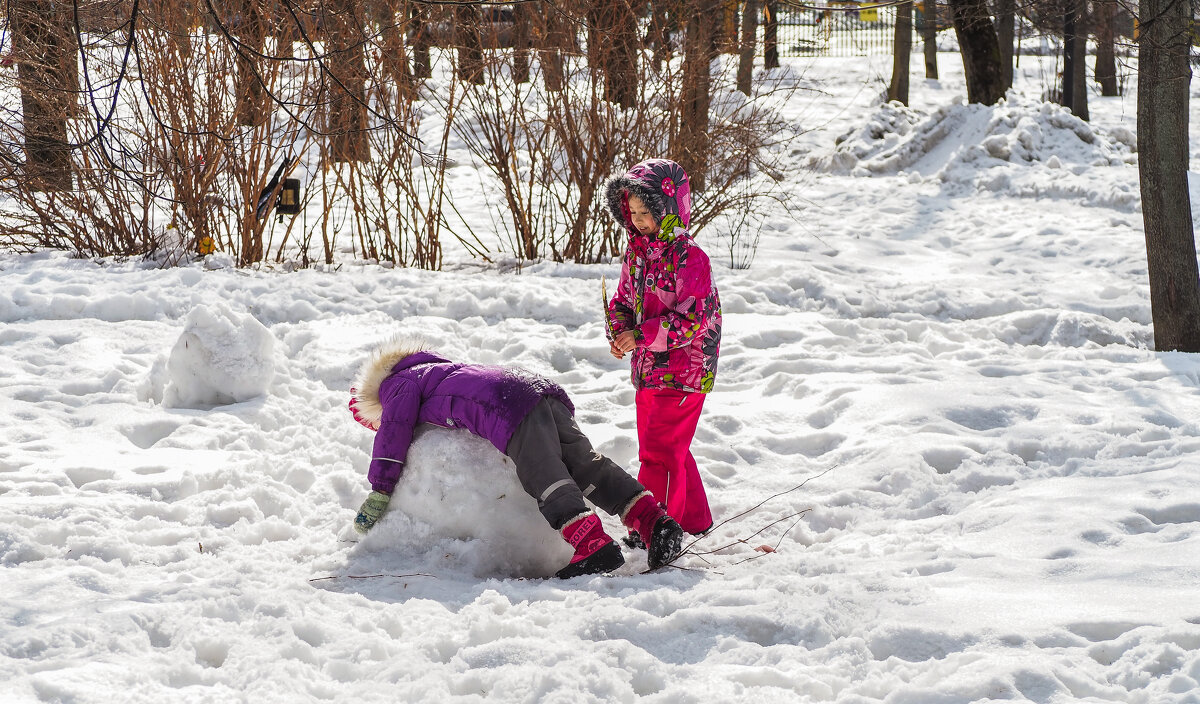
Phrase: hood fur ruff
pixel 614 196
pixel 660 183
pixel 378 367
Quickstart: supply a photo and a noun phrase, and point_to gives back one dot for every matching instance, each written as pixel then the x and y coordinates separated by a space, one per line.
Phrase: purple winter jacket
pixel 397 389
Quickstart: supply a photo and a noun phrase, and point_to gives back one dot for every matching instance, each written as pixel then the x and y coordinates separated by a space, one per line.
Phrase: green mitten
pixel 371 510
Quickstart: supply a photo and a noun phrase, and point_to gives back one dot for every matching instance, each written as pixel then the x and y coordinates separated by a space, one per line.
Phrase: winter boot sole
pixel 606 559
pixel 666 543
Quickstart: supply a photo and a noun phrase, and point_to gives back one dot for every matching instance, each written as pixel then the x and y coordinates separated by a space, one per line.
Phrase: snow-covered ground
pixel 937 402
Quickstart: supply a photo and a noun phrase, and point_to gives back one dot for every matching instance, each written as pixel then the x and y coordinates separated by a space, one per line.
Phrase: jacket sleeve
pixel 692 311
pixel 400 409
pixel 622 308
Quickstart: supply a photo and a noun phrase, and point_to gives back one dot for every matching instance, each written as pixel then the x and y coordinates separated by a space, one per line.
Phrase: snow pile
pixel 222 357
pixel 459 500
pixel 1021 146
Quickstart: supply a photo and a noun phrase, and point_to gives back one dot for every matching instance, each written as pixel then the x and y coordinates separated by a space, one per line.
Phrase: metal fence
pixel 840 29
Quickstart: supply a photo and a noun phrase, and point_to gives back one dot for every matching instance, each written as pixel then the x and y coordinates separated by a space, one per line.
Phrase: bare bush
pixel 550 151
pixel 186 111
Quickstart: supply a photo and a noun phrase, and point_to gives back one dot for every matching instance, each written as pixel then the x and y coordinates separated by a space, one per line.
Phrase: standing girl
pixel 667 314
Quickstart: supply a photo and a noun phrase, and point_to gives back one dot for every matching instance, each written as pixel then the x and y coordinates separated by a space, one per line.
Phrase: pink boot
pixel 660 532
pixel 595 552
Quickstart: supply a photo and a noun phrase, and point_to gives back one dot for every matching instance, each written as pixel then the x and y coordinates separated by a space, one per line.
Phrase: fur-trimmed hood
pixel 663 186
pixel 379 366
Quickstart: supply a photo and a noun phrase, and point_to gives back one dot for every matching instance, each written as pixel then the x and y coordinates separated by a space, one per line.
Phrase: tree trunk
pixel 422 65
pixel 901 55
pixel 391 16
pixel 659 36
pixel 1005 19
pixel 469 43
pixel 980 51
pixel 40 44
pixel 771 35
pixel 1164 74
pixel 70 68
pixel 692 142
pixel 1106 59
pixel 929 38
pixel 348 82
pixel 1074 86
pixel 522 31
pixel 548 36
pixel 285 32
pixel 249 25
pixel 727 36
pixel 613 49
pixel 745 72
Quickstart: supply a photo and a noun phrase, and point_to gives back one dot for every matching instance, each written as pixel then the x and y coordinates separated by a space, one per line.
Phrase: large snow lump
pixel 460 487
pixel 222 357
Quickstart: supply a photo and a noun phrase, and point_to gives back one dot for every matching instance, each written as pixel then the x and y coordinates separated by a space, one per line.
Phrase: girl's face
pixel 642 219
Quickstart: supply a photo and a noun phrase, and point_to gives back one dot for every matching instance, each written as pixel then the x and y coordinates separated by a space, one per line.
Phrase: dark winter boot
pixel 665 538
pixel 595 552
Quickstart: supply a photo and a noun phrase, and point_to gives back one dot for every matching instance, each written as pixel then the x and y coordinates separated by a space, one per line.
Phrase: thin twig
pixel 748 537
pixel 371 576
pixel 777 543
pixel 760 503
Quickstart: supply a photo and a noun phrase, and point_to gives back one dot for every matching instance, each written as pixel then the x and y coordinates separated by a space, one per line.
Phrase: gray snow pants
pixel 557 466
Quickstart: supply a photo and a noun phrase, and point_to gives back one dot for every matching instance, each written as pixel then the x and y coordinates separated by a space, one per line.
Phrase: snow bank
pixel 1020 146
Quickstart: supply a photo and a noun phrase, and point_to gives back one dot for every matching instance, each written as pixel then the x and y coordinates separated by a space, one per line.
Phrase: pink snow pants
pixel 666 423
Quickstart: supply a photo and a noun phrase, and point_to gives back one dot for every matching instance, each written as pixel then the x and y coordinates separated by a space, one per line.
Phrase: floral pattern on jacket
pixel 666 293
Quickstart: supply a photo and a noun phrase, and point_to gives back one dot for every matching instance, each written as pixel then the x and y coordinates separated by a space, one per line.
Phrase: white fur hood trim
pixel 378 367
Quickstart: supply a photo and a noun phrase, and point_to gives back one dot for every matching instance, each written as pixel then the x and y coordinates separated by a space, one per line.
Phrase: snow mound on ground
pixel 222 357
pixel 1021 146
pixel 457 487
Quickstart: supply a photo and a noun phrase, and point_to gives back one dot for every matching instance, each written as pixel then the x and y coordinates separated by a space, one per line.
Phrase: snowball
pixel 221 357
pixel 459 486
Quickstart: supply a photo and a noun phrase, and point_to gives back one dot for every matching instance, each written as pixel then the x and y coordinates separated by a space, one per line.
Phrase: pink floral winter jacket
pixel 666 293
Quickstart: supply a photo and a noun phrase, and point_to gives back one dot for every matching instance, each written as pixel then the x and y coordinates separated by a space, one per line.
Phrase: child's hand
pixel 614 350
pixel 372 509
pixel 625 342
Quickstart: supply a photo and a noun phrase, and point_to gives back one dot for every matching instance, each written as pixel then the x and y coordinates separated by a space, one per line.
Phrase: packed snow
pixel 945 461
